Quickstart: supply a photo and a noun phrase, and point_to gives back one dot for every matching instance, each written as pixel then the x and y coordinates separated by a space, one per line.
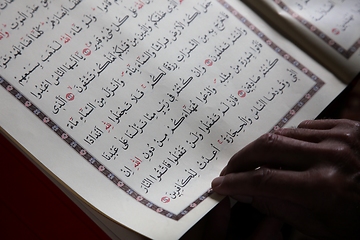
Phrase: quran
pixel 133 107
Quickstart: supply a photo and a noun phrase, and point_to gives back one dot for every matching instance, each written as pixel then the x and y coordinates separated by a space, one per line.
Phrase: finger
pixel 317 136
pixel 303 134
pixel 314 135
pixel 275 151
pixel 318 124
pixel 288 185
pixel 280 194
pixel 325 124
pixel 344 134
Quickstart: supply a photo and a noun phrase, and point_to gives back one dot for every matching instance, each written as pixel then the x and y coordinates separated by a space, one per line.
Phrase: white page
pixel 327 30
pixel 137 107
pixel 337 19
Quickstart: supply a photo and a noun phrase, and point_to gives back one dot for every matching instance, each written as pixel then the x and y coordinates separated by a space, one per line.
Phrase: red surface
pixel 32 207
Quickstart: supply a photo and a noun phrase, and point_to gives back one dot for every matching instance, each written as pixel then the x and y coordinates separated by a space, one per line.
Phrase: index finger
pixel 264 182
pixel 273 150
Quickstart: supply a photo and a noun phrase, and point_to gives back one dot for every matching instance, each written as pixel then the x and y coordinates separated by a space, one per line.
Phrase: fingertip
pixel 286 132
pixel 217 182
pixel 223 172
pixel 305 123
pixel 279 131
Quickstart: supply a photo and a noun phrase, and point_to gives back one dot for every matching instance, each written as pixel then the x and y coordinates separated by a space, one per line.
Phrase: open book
pixel 133 107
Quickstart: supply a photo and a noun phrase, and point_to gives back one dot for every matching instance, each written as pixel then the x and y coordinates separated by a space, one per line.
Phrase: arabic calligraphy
pixel 154 92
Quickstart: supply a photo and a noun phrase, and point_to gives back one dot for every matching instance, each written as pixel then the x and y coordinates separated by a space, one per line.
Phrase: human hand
pixel 308 177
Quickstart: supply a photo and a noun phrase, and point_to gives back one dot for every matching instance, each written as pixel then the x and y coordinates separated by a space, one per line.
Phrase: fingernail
pixel 217 182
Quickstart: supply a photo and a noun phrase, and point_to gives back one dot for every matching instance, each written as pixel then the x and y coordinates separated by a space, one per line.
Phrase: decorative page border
pixel 347 53
pixel 117 181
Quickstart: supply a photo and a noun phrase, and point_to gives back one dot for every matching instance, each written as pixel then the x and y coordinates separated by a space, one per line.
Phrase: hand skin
pixel 309 177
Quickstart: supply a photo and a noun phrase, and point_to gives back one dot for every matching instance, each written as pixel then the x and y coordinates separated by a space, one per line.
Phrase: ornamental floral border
pixel 117 181
pixel 347 53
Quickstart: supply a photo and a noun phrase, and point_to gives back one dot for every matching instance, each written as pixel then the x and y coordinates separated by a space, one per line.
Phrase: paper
pixel 334 21
pixel 155 97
